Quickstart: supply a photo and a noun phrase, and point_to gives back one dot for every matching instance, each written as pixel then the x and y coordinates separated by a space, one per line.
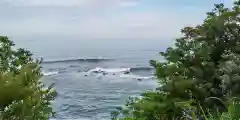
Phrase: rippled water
pixel 86 95
pixel 84 91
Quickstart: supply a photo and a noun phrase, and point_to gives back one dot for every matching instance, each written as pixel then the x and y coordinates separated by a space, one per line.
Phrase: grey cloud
pixel 94 20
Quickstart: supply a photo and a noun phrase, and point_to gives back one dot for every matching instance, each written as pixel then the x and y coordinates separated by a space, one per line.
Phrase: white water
pixel 50 73
pixel 110 70
pixel 132 76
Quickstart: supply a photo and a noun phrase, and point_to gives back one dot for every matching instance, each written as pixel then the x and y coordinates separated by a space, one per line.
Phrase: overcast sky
pixel 134 19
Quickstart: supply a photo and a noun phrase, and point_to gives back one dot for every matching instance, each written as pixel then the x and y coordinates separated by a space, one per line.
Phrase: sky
pixel 101 19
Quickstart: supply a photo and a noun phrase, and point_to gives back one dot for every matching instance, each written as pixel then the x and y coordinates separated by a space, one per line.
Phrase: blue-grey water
pixel 93 77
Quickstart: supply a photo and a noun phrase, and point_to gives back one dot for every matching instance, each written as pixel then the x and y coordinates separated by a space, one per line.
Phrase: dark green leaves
pixel 22 94
pixel 203 64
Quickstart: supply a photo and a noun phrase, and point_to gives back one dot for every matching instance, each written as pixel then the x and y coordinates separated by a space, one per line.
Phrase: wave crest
pixel 109 70
pixel 118 70
pixel 50 73
pixel 132 76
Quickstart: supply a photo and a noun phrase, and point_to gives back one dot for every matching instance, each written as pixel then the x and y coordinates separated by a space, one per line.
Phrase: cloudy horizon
pixel 118 19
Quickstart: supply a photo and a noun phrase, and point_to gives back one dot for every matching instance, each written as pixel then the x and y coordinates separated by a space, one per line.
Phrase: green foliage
pixel 233 112
pixel 200 74
pixel 23 95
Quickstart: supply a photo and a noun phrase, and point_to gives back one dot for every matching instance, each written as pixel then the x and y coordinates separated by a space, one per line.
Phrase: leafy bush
pixel 231 114
pixel 22 95
pixel 200 74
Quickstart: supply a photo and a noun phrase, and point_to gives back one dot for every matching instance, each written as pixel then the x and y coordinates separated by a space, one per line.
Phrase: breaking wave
pixel 132 76
pixel 109 70
pixel 119 70
pixel 50 73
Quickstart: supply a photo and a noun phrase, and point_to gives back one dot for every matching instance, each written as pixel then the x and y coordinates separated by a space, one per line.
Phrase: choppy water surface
pixel 92 89
pixel 92 81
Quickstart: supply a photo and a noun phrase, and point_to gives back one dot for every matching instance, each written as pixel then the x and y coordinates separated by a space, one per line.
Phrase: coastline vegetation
pixel 23 96
pixel 199 79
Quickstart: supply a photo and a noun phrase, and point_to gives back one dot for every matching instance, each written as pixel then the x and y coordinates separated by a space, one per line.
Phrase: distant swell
pixel 78 60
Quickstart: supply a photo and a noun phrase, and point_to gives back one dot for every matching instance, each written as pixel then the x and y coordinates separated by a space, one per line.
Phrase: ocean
pixel 93 77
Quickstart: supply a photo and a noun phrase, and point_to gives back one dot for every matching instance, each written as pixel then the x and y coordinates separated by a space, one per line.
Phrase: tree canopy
pixel 200 74
pixel 23 96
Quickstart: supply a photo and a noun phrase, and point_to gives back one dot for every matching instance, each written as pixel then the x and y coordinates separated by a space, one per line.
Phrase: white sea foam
pixel 50 73
pixel 121 72
pixel 109 70
pixel 132 76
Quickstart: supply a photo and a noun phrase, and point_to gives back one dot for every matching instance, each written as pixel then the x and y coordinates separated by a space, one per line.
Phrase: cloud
pixel 71 3
pixel 128 3
pixel 123 25
pixel 132 19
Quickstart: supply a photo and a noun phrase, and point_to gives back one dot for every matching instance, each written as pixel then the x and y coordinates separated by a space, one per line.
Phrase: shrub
pixel 200 74
pixel 22 94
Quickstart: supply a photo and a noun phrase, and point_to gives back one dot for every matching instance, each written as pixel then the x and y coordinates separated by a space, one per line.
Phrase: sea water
pixel 92 78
